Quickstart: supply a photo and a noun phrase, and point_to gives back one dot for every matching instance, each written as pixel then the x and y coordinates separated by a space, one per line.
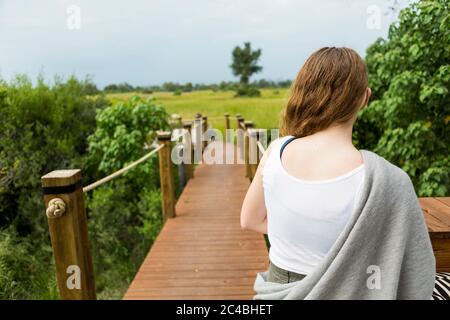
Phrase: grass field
pixel 264 111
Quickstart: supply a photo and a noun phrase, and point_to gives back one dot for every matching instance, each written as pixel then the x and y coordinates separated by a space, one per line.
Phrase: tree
pixel 42 128
pixel 121 87
pixel 407 121
pixel 244 65
pixel 188 87
pixel 125 214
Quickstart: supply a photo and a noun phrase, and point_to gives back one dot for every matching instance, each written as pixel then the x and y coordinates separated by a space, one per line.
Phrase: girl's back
pixel 309 200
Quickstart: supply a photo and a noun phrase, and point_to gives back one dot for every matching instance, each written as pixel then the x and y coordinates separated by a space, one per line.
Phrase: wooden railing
pixel 250 142
pixel 66 212
pixel 436 210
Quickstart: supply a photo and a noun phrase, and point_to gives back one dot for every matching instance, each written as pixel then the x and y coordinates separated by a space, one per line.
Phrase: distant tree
pixel 263 83
pixel 90 88
pixel 121 87
pixel 110 88
pixel 284 83
pixel 244 65
pixel 188 87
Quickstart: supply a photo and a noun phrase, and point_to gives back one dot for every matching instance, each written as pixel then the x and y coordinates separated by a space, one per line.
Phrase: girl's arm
pixel 253 212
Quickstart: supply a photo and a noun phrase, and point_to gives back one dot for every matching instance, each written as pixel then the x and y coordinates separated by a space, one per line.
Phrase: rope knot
pixel 56 208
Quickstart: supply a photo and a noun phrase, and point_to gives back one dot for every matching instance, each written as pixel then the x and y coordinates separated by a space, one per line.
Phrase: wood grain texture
pixel 69 237
pixel 203 253
pixel 166 176
pixel 437 215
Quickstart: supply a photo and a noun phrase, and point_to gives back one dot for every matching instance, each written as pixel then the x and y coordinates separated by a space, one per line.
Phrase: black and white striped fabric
pixel 442 286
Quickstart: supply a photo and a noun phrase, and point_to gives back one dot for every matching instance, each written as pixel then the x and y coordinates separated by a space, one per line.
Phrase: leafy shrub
pixel 177 93
pixel 247 91
pixel 122 227
pixel 409 73
pixel 26 269
pixel 125 214
pixel 42 128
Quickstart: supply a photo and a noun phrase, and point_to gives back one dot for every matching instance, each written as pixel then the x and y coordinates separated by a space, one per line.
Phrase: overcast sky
pixel 153 41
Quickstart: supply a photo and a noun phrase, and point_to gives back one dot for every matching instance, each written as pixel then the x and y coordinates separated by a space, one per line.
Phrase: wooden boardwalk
pixel 437 217
pixel 203 253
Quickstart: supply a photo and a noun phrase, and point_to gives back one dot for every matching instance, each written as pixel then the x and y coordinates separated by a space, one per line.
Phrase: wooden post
pixel 182 177
pixel 261 137
pixel 227 133
pixel 248 126
pixel 198 151
pixel 227 121
pixel 166 176
pixel 66 216
pixel 176 121
pixel 238 120
pixel 253 152
pixel 204 128
pixel 179 122
pixel 189 147
pixel 240 136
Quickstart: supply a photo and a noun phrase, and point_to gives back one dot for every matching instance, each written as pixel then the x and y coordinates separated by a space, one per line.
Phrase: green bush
pixel 122 227
pixel 125 214
pixel 42 128
pixel 26 268
pixel 47 127
pixel 407 121
pixel 247 91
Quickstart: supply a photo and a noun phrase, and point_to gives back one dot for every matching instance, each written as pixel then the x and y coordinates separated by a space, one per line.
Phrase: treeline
pixel 189 86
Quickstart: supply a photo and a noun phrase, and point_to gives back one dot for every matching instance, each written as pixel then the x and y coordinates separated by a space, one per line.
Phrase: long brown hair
pixel 329 89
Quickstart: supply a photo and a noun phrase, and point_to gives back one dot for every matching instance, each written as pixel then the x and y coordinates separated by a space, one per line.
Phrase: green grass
pixel 264 111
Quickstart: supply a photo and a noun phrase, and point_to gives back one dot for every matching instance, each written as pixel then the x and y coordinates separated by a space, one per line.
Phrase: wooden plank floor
pixel 437 217
pixel 202 253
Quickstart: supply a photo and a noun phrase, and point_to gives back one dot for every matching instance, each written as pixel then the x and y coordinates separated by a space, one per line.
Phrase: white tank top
pixel 305 218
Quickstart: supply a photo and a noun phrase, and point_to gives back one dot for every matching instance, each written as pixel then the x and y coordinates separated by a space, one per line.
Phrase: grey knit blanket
pixel 384 252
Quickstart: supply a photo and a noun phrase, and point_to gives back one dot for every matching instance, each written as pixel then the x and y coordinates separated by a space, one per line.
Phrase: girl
pixel 343 223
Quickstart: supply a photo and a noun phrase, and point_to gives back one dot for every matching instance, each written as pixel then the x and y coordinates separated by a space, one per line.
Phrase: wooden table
pixel 437 217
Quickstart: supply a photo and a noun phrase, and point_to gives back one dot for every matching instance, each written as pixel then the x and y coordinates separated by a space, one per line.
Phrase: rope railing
pixel 64 199
pixel 122 171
